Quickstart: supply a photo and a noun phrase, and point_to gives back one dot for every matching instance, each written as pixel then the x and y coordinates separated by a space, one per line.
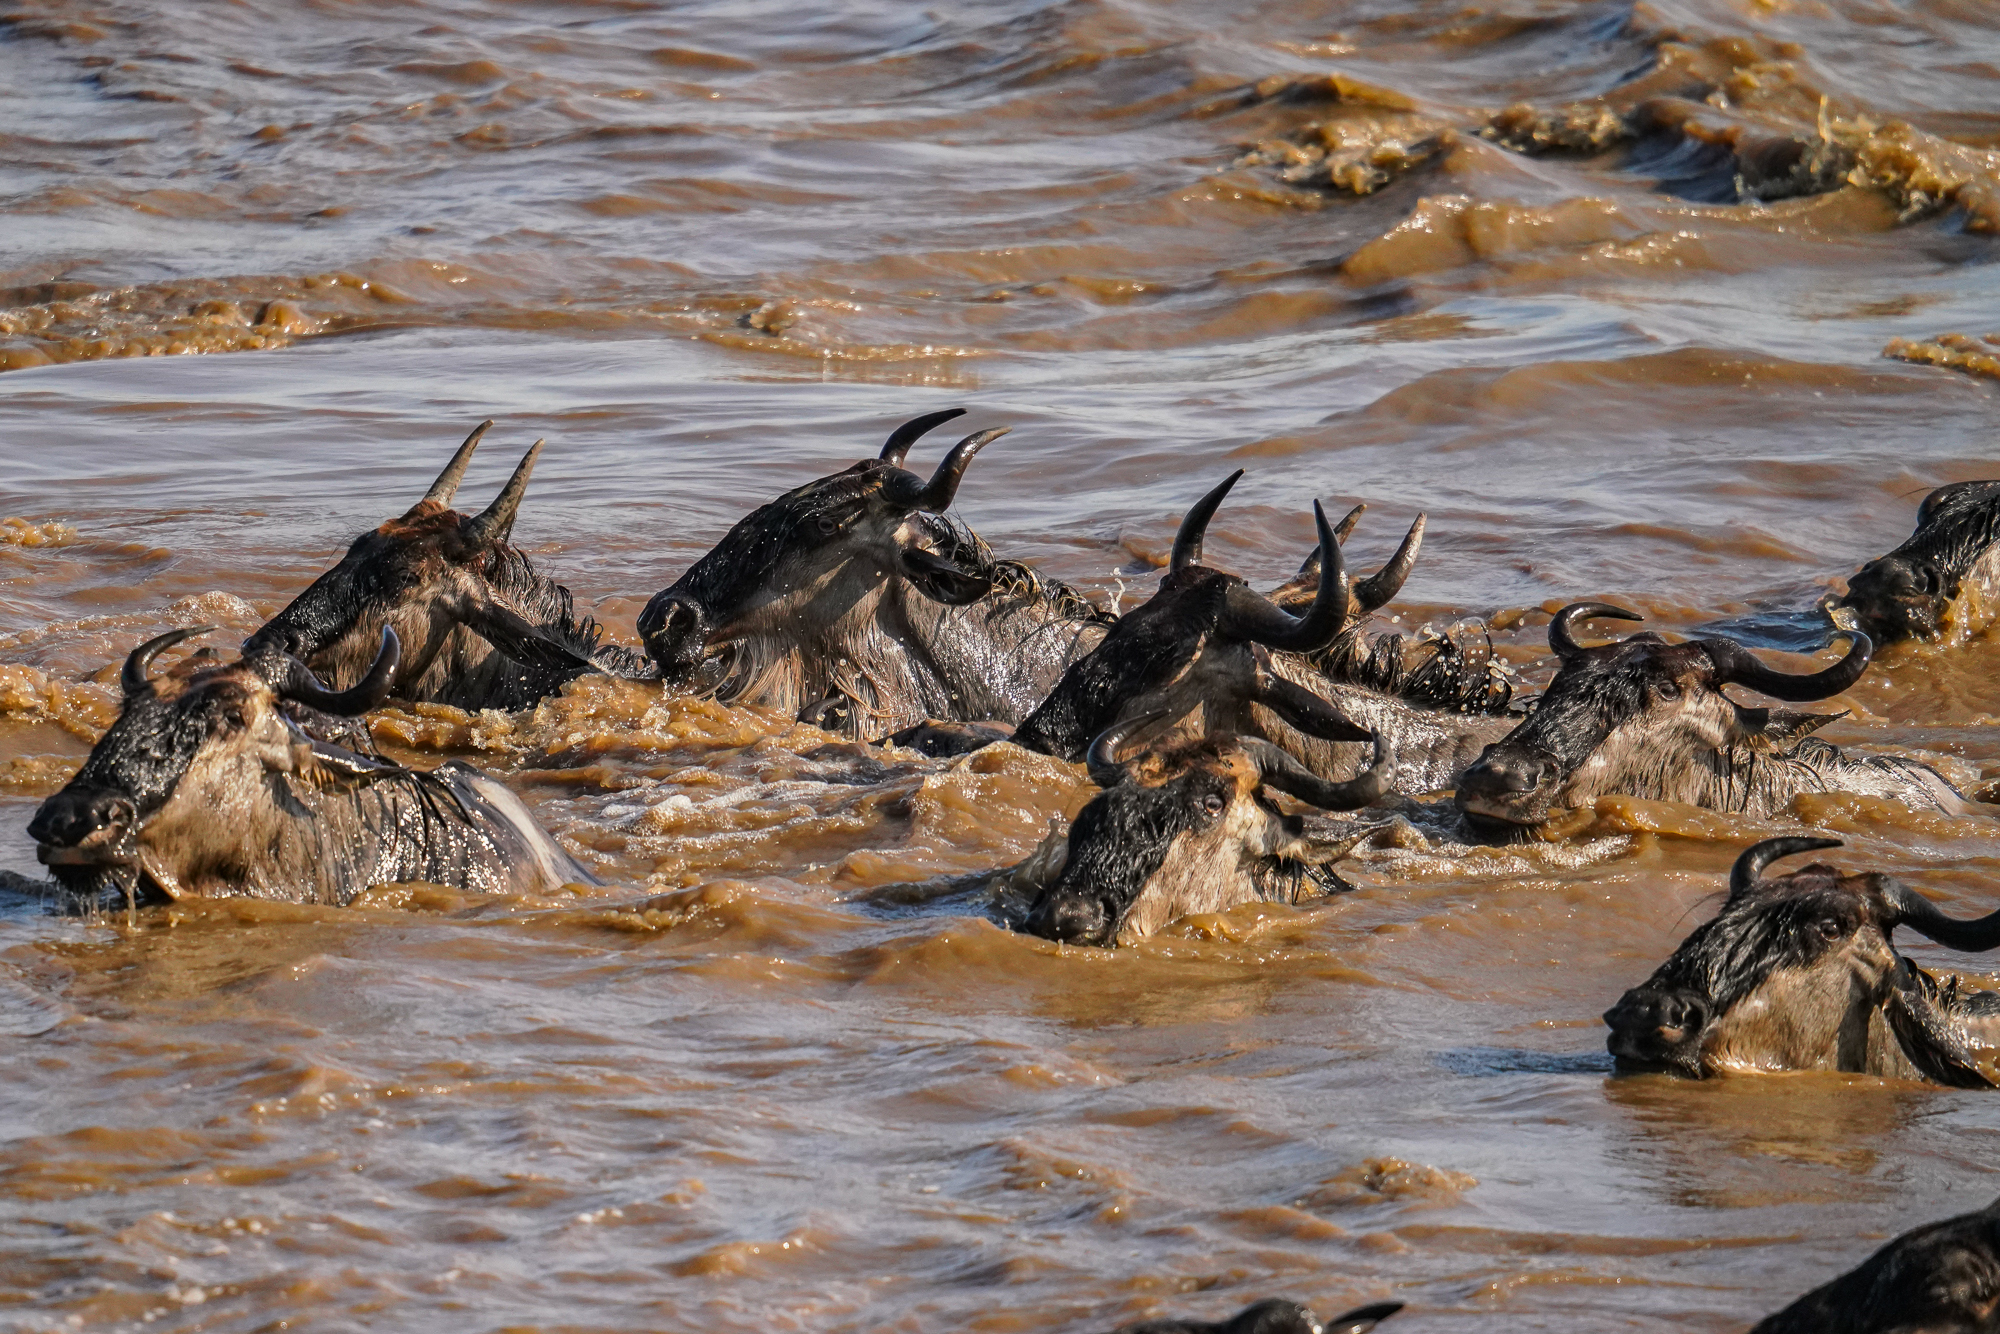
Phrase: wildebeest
pixel 1214 656
pixel 1275 1316
pixel 851 602
pixel 1183 830
pixel 481 628
pixel 1800 972
pixel 1941 1278
pixel 1641 717
pixel 206 785
pixel 1943 581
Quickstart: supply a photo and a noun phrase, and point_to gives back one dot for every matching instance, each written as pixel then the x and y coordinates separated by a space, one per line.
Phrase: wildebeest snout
pixel 1502 780
pixel 1070 919
pixel 72 815
pixel 674 627
pixel 1657 1028
pixel 1893 598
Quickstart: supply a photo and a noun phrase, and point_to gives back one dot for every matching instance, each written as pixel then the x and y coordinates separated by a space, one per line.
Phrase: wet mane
pixel 966 549
pixel 552 608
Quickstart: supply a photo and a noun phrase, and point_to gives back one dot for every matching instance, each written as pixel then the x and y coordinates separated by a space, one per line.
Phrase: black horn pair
pixel 292 680
pixel 1247 614
pixel 1371 593
pixel 495 523
pixel 1911 909
pixel 909 491
pixel 1275 768
pixel 1734 664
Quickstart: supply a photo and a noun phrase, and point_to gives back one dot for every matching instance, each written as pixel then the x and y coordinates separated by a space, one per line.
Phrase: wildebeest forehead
pixel 1794 921
pixel 158 733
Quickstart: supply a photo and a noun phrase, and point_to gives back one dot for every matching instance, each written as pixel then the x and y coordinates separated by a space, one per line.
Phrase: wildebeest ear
pixel 1781 727
pixel 519 639
pixel 941 580
pixel 1919 1013
pixel 309 753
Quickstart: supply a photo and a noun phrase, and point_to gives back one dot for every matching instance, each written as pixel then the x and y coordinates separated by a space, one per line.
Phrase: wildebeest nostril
pixel 69 817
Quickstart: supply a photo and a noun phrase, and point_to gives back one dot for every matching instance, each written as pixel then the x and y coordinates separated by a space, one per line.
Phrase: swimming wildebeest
pixel 1644 718
pixel 1275 1316
pixel 206 785
pixel 1211 655
pixel 481 629
pixel 1183 830
pixel 1800 972
pixel 1942 1278
pixel 850 603
pixel 1943 581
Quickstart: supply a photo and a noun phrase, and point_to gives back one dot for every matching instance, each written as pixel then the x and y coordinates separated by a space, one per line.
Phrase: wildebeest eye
pixel 1668 689
pixel 1211 804
pixel 827 525
pixel 1828 928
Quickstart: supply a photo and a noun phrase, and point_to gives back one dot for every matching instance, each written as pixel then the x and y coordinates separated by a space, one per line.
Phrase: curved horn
pixel 1562 637
pixel 300 684
pixel 1386 582
pixel 132 676
pixel 1303 709
pixel 1105 768
pixel 1922 916
pixel 1249 615
pixel 935 496
pixel 495 523
pixel 898 447
pixel 446 485
pixel 1749 868
pixel 1734 663
pixel 1187 541
pixel 1277 768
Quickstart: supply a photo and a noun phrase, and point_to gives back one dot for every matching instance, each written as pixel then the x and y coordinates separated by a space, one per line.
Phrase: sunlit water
pixel 715 250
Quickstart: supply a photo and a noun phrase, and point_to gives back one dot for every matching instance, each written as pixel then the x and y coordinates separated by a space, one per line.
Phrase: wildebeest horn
pixel 1922 916
pixel 1562 636
pixel 495 523
pixel 1734 663
pixel 298 682
pixel 1385 583
pixel 898 447
pixel 935 496
pixel 132 677
pixel 1749 868
pixel 1249 615
pixel 446 485
pixel 1187 542
pixel 1106 770
pixel 1276 768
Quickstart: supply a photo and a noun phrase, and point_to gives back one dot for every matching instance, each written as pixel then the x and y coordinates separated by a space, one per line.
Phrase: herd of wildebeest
pixel 854 604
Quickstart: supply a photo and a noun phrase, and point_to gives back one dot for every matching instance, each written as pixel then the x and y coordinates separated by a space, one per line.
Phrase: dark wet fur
pixel 1438 674
pixel 1905 593
pixel 1942 1278
pixel 1116 845
pixel 1273 1316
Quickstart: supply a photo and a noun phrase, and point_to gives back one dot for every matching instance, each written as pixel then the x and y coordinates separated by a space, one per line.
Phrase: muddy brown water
pixel 712 250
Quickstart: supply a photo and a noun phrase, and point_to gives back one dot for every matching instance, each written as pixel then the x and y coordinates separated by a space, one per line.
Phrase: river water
pixel 713 250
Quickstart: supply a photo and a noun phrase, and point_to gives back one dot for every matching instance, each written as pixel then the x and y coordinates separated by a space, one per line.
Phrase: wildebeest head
pixel 1791 974
pixel 1636 716
pixel 1274 1316
pixel 180 780
pixel 1907 593
pixel 423 574
pixel 1942 1278
pixel 1203 641
pixel 818 554
pixel 1189 829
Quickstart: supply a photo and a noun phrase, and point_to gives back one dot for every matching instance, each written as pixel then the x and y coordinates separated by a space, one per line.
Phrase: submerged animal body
pixel 850 602
pixel 1800 972
pixel 1943 582
pixel 1211 656
pixel 1273 1316
pixel 207 786
pixel 1941 1278
pixel 1644 718
pixel 1186 830
pixel 481 628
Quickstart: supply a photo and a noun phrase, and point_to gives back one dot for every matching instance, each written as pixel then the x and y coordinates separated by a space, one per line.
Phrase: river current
pixel 1680 304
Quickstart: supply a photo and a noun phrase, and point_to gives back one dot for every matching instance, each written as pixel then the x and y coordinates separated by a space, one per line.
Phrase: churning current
pixel 1680 305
